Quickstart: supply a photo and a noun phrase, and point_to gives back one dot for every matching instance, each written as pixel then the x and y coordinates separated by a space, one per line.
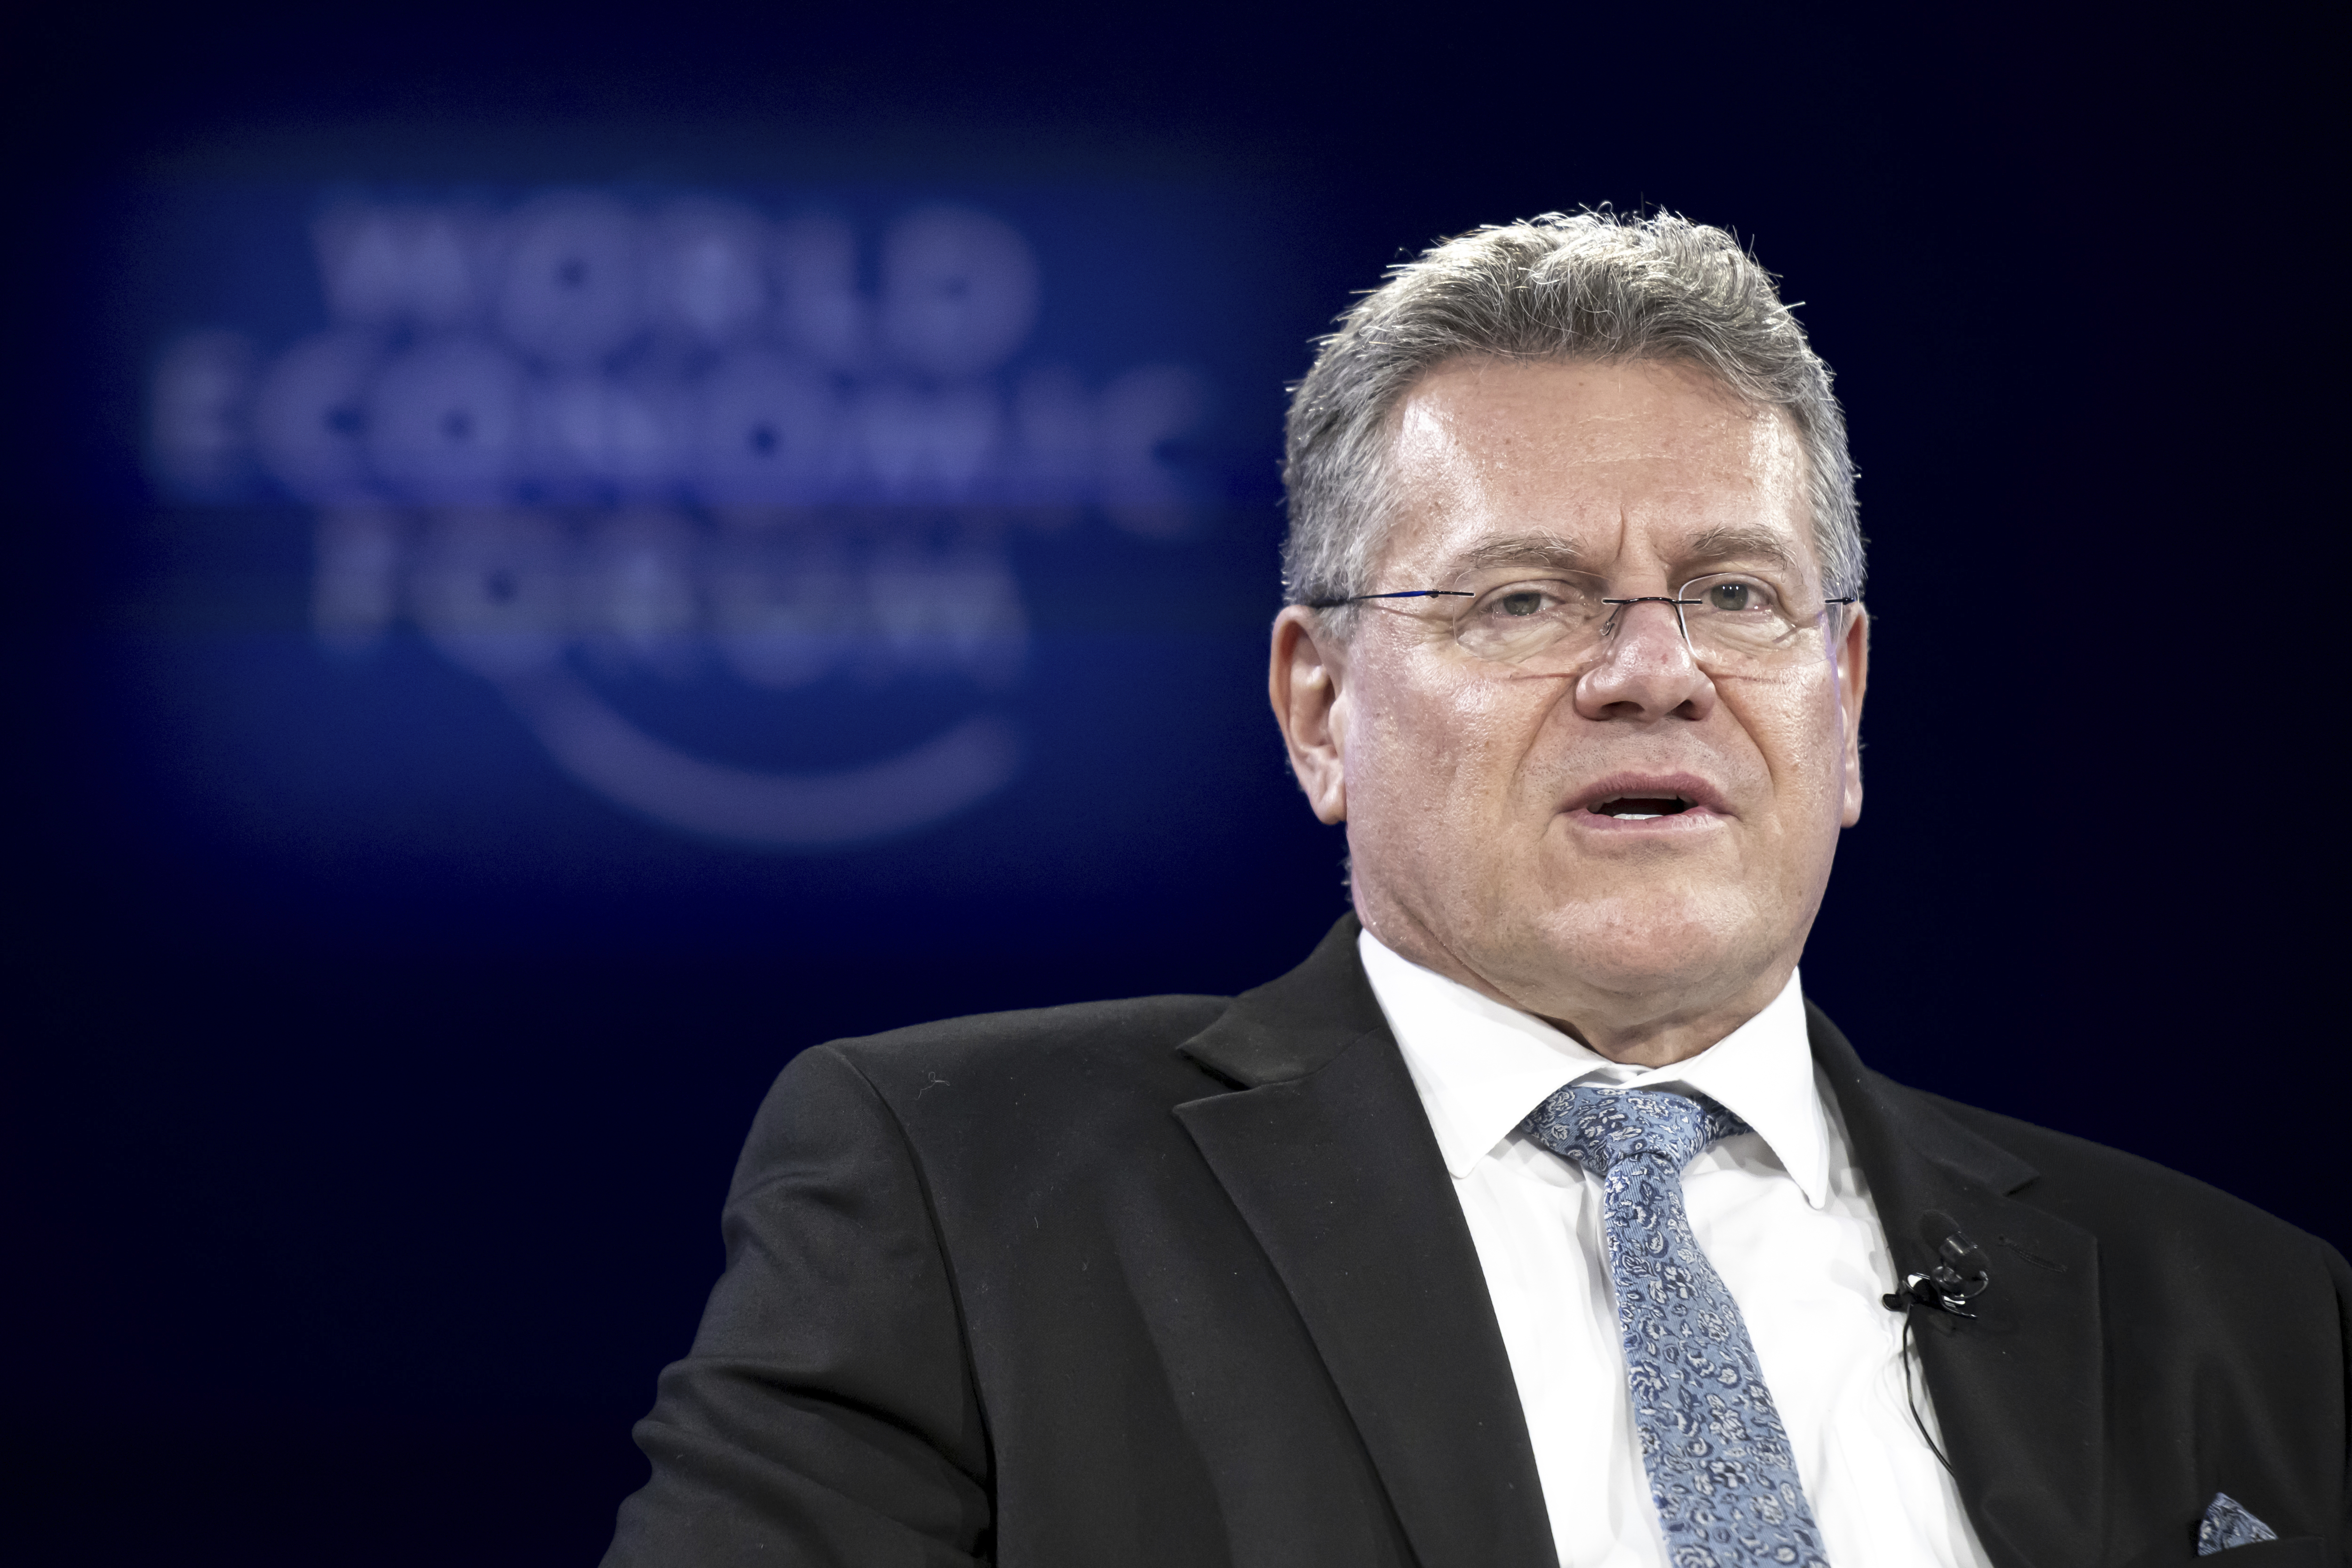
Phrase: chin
pixel 1652 937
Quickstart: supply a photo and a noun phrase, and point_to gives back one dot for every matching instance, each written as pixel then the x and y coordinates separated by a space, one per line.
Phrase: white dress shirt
pixel 1783 1213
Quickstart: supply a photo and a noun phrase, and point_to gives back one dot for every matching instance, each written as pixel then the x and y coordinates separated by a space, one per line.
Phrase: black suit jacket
pixel 1182 1281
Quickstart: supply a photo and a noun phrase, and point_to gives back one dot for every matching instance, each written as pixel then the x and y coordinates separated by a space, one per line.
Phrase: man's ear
pixel 1304 678
pixel 1854 676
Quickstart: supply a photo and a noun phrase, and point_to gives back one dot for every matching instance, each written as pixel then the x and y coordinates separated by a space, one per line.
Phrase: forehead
pixel 1606 460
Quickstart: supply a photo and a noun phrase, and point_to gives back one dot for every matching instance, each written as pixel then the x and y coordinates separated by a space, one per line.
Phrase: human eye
pixel 1518 617
pixel 1532 599
pixel 1734 595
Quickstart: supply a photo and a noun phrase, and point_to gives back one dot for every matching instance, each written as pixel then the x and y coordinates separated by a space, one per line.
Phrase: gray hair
pixel 1595 286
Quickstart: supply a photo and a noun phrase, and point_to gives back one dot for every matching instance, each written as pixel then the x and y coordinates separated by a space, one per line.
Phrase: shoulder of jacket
pixel 2111 1189
pixel 1032 1035
pixel 1018 1070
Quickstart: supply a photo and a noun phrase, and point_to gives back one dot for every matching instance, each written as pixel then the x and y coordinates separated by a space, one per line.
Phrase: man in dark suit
pixel 1536 1217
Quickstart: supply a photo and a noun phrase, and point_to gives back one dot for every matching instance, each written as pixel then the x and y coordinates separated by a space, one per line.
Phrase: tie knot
pixel 1599 1127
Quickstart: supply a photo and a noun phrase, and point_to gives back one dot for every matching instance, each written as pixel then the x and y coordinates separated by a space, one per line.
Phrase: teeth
pixel 1622 808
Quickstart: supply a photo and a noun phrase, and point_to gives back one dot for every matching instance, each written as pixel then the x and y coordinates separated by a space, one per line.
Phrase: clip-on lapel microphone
pixel 1959 1277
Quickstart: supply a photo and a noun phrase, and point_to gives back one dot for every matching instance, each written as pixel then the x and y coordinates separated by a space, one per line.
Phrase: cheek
pixel 1434 750
pixel 1796 726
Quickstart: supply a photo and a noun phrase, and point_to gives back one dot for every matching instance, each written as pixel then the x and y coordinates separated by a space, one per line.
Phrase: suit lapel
pixel 1325 1150
pixel 2018 1391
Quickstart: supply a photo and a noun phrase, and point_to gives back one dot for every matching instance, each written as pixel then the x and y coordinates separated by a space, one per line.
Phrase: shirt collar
pixel 1480 1067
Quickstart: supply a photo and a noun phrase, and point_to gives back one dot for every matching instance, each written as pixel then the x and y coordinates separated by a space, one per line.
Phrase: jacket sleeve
pixel 827 1413
pixel 2340 1274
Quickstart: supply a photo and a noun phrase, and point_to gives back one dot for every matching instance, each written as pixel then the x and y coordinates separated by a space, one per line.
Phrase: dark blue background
pixel 372 1089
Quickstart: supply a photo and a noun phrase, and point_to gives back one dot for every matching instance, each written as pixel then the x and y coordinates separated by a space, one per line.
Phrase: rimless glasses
pixel 1733 622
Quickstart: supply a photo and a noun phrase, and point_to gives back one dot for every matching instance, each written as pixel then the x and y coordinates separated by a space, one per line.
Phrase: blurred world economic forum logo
pixel 579 440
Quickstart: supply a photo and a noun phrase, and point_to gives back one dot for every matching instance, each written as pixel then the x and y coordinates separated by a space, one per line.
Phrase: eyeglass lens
pixel 1730 619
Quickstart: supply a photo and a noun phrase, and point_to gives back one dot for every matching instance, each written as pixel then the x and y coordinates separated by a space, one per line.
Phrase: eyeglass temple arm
pixel 1465 594
pixel 1400 593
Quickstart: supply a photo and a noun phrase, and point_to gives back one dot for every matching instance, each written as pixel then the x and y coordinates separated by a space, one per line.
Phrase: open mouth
pixel 1640 807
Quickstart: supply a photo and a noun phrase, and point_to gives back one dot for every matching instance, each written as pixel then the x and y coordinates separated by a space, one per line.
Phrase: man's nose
pixel 1646 669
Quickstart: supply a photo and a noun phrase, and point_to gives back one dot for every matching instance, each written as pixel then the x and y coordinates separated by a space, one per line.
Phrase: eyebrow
pixel 1546 550
pixel 1745 540
pixel 1728 541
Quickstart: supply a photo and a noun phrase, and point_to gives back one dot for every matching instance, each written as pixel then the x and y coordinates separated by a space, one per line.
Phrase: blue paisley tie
pixel 1721 1472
